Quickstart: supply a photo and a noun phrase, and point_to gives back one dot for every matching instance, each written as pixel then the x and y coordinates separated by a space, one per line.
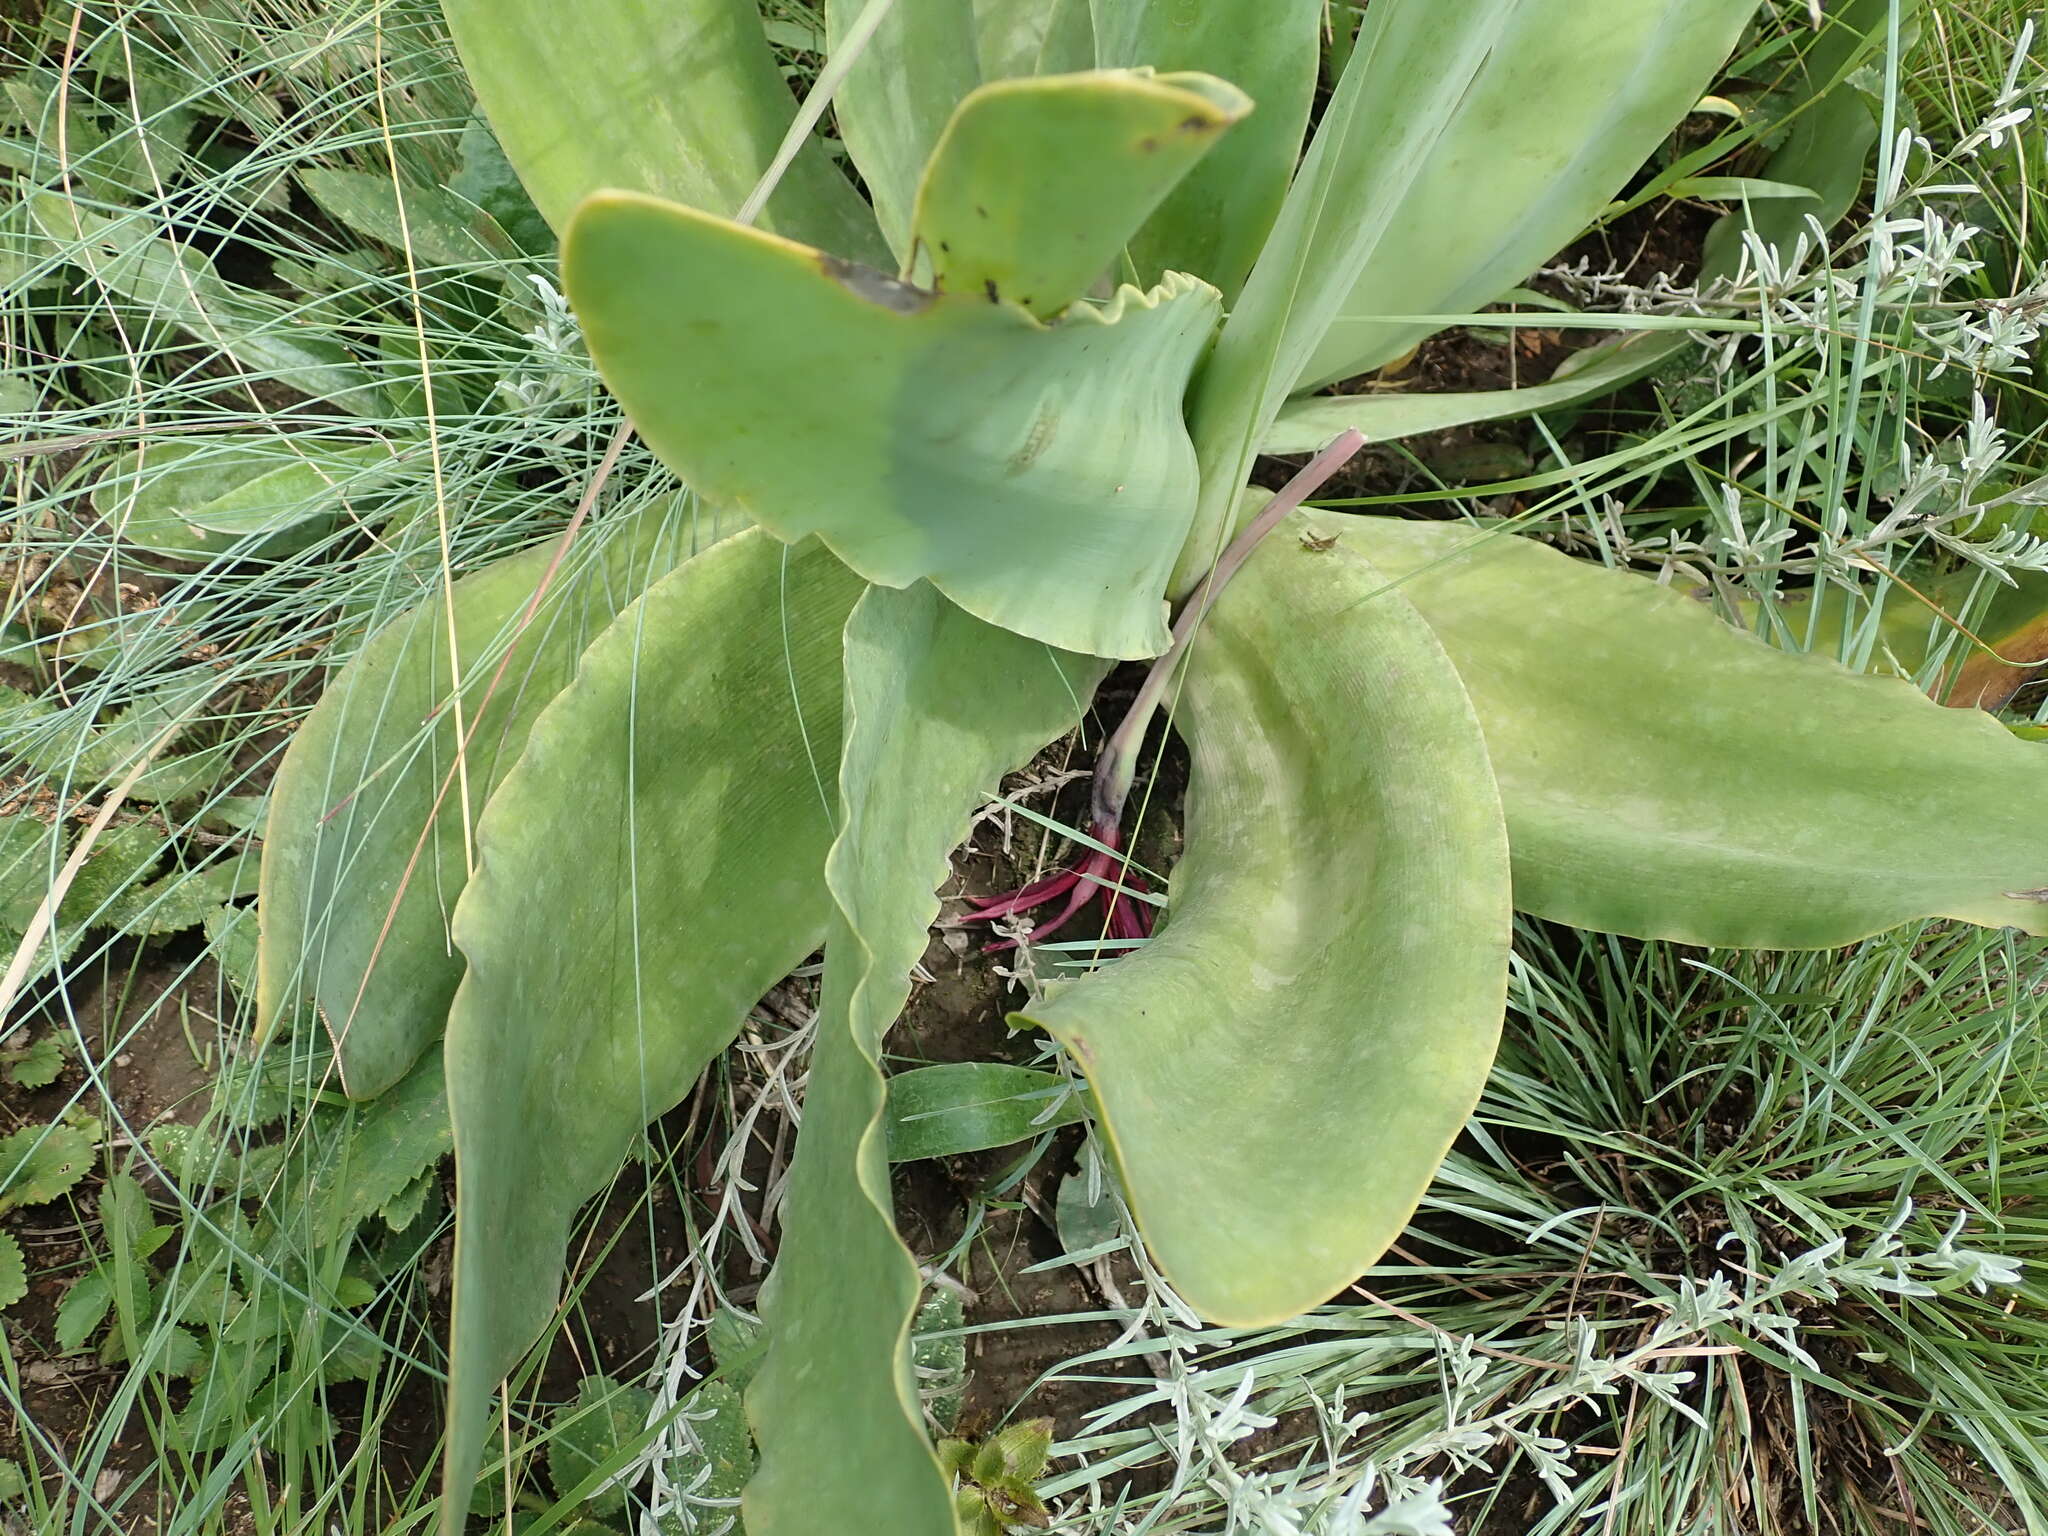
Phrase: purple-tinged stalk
pixel 1104 869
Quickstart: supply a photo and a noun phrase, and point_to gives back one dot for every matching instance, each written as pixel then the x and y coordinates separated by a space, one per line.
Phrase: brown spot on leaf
pixel 876 287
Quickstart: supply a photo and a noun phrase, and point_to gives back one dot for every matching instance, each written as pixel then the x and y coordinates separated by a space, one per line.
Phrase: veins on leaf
pixel 1105 869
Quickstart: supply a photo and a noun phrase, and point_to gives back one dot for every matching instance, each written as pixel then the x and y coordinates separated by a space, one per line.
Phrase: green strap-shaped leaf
pixel 968 1106
pixel 1521 165
pixel 1827 148
pixel 1445 167
pixel 649 870
pixel 1216 220
pixel 1040 476
pixel 1306 425
pixel 1038 185
pixel 895 102
pixel 364 855
pixel 1282 1067
pixel 938 707
pixel 680 98
pixel 1668 776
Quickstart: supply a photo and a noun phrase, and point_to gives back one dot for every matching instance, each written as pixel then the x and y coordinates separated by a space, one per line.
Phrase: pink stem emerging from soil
pixel 1117 767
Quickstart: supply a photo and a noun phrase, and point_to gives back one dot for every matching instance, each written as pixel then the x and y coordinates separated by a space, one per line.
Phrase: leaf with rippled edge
pixel 1670 777
pixel 1040 476
pixel 364 853
pixel 938 707
pixel 1280 1069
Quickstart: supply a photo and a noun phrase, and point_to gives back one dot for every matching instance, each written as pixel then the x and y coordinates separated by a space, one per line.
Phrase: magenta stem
pixel 1117 766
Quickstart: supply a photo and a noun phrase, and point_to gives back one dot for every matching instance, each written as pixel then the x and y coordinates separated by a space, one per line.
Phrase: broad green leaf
pixel 179 286
pixel 895 102
pixel 1828 144
pixel 1040 476
pixel 1010 36
pixel 1037 185
pixel 1069 39
pixel 1445 167
pixel 1215 222
pixel 441 228
pixel 263 496
pixel 938 707
pixel 1668 776
pixel 1280 1069
pixel 365 852
pixel 1564 100
pixel 679 98
pixel 649 869
pixel 968 1106
pixel 40 1162
pixel 1306 425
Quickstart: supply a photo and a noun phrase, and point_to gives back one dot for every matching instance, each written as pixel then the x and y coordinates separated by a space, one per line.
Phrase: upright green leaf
pixel 1827 148
pixel 1668 776
pixel 1280 1069
pixel 1444 166
pixel 894 103
pixel 680 98
pixel 365 852
pixel 1567 100
pixel 1215 221
pixel 938 707
pixel 1040 476
pixel 1037 185
pixel 1828 143
pixel 649 869
pixel 1010 35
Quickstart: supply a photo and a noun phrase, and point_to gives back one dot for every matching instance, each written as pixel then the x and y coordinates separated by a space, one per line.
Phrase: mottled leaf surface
pixel 649 870
pixel 1282 1067
pixel 1668 776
